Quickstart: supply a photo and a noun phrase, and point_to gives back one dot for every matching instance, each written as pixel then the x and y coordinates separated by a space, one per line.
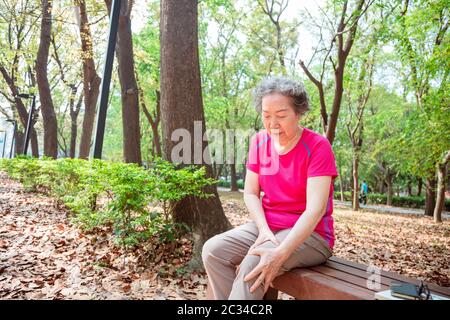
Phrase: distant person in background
pixel 364 192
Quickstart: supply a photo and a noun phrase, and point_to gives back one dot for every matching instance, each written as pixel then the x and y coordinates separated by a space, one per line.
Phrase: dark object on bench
pixel 407 291
pixel 338 279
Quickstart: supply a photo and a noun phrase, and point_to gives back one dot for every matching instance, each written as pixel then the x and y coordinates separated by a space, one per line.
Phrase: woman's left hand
pixel 267 269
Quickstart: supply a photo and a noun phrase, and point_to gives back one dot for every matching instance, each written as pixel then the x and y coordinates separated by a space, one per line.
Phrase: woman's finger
pixel 258 283
pixel 255 244
pixel 256 271
pixel 267 285
pixel 255 252
pixel 274 239
pixel 270 276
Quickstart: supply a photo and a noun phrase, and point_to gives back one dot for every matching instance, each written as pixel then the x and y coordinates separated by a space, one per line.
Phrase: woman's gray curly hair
pixel 285 86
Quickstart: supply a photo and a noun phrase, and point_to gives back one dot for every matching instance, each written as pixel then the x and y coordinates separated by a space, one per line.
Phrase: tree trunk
pixel 18 142
pixel 47 109
pixel 441 169
pixel 341 184
pixel 351 183
pixel 73 137
pixel 74 111
pixel 234 185
pixel 91 82
pixel 338 91
pixel 390 190
pixel 34 143
pixel 232 163
pixel 181 105
pixel 218 171
pixel 128 84
pixel 156 141
pixel 430 196
pixel 355 166
pixel 440 193
pixel 21 109
pixel 409 188
pixel 419 187
pixel 154 122
pixel 381 185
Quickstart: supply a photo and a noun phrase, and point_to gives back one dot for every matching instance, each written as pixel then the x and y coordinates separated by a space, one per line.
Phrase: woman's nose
pixel 274 123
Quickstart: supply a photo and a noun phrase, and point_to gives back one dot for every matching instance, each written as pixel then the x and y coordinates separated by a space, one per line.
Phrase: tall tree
pixel 343 37
pixel 181 106
pixel 154 120
pixel 355 117
pixel 358 84
pixel 91 80
pixel 442 178
pixel 274 9
pixel 225 80
pixel 147 48
pixel 128 83
pixel 73 106
pixel 17 47
pixel 421 34
pixel 45 95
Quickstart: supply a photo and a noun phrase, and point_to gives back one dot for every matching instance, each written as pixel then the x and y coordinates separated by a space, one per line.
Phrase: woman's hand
pixel 270 263
pixel 264 235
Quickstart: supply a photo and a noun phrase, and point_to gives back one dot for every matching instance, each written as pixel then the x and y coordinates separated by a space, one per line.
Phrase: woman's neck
pixel 286 146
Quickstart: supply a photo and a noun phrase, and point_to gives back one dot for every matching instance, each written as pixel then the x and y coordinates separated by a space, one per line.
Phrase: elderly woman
pixel 292 224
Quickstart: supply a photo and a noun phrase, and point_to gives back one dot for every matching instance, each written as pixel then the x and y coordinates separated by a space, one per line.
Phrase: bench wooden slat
pixel 388 276
pixel 353 271
pixel 344 276
pixel 310 285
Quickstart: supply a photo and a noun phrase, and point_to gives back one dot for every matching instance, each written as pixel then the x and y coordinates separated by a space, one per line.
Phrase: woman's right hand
pixel 264 235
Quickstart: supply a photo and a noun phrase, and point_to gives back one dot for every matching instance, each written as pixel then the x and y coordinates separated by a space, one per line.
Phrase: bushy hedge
pixel 136 202
pixel 402 201
pixel 227 184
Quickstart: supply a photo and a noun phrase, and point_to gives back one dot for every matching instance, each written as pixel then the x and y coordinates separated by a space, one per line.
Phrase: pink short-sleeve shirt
pixel 283 179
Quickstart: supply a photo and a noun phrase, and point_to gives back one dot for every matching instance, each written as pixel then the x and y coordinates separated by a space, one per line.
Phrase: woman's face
pixel 279 117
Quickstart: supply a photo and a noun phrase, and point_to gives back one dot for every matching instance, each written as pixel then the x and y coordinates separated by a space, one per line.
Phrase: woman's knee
pixel 212 247
pixel 248 264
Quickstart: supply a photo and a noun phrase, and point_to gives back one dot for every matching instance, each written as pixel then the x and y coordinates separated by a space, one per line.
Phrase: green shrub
pixel 401 201
pixel 26 170
pixel 86 186
pixel 129 195
pixel 227 184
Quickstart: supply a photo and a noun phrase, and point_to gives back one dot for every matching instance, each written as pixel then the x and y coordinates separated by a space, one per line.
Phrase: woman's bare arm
pixel 252 200
pixel 318 189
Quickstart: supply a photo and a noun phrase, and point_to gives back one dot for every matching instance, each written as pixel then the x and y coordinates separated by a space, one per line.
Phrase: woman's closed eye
pixel 279 117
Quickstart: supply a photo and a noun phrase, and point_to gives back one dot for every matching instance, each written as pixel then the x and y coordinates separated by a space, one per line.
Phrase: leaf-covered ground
pixel 44 256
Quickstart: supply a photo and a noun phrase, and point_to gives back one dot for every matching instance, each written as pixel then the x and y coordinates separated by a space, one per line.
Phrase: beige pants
pixel 224 252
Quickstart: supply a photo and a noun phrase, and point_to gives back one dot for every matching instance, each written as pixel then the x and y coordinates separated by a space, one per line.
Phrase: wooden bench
pixel 337 279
